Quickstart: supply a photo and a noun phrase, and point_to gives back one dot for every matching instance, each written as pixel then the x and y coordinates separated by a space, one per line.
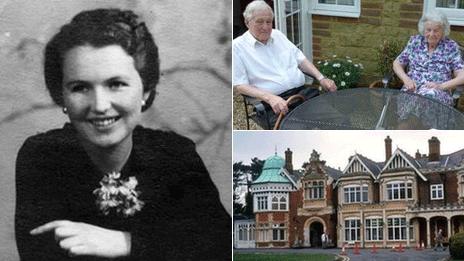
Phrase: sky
pixel 335 147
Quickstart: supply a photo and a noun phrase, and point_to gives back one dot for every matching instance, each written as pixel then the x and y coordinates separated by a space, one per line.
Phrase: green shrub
pixel 386 54
pixel 456 247
pixel 343 71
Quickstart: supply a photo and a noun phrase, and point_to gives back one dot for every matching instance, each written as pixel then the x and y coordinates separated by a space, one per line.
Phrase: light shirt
pixel 272 67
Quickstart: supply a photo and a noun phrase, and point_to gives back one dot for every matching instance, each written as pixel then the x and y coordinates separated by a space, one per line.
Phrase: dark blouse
pixel 182 219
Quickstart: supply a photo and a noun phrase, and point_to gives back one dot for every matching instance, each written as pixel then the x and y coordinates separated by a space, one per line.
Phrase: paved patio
pixel 366 254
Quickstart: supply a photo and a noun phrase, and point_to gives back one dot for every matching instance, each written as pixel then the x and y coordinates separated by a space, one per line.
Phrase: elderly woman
pixel 103 187
pixel 433 61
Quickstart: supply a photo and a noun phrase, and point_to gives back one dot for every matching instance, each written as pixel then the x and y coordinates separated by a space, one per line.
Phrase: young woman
pixel 103 187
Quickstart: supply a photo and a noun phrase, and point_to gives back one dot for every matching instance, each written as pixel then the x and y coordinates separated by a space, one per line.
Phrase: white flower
pixel 356 65
pixel 334 76
pixel 319 62
pixel 326 63
pixel 350 61
pixel 334 56
pixel 342 83
pixel 347 57
pixel 336 65
pixel 347 73
pixel 118 195
pixel 361 66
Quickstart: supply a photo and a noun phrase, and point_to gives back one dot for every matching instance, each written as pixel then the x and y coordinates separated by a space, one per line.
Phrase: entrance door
pixel 315 233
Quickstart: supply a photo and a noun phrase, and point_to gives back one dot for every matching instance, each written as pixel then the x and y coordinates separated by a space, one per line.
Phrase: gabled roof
pixel 372 167
pixel 413 163
pixel 333 173
pixel 274 172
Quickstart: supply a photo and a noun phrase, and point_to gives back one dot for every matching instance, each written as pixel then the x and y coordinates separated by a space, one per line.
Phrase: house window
pixel 283 203
pixel 278 232
pixel 242 232
pixel 453 9
pixel 275 203
pixel 354 194
pixel 315 190
pixel 352 229
pixel 263 232
pixel 374 229
pixel 262 202
pixel 346 8
pixel 436 191
pixel 251 232
pixel 396 228
pixel 399 190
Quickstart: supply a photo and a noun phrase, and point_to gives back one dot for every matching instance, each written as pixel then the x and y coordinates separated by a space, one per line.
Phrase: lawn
pixel 279 257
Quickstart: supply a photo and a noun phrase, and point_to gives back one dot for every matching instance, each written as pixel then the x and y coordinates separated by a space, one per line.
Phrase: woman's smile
pixel 103 94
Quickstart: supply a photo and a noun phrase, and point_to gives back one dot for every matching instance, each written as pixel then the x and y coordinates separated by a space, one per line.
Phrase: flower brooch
pixel 118 195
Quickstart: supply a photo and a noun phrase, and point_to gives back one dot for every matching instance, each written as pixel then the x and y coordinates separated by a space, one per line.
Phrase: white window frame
pixel 278 232
pixel 376 230
pixel 336 9
pixel 400 227
pixel 355 189
pixel 356 226
pixel 398 186
pixel 315 190
pixel 455 16
pixel 262 204
pixel 435 189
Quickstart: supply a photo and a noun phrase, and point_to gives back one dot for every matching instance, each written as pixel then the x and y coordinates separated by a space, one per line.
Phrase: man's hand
pixel 328 84
pixel 278 104
pixel 88 240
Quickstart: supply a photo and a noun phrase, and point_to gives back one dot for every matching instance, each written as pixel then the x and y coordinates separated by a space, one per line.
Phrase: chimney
pixel 288 160
pixel 418 155
pixel 388 148
pixel 434 149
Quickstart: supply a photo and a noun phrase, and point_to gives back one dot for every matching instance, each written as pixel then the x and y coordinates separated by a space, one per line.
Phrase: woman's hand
pixel 433 85
pixel 84 239
pixel 409 84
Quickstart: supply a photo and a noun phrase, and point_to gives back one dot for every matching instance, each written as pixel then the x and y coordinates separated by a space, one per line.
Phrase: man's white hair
pixel 257 5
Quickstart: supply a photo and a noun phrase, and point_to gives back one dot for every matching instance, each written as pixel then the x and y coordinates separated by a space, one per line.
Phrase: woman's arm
pixel 399 70
pixel 187 221
pixel 36 203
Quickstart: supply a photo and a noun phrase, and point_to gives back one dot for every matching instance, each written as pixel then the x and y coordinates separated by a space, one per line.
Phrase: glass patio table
pixel 372 108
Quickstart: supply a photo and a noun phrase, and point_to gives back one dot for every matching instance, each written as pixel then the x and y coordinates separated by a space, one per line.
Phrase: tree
pixel 245 173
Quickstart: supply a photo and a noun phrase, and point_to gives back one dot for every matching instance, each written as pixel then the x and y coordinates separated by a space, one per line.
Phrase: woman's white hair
pixel 435 17
pixel 257 5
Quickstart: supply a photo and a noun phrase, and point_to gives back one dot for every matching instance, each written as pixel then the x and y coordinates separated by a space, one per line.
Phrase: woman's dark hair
pixel 100 28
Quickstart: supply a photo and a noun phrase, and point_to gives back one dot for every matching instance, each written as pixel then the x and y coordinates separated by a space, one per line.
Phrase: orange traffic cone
pixel 356 249
pixel 374 250
pixel 400 249
pixel 343 253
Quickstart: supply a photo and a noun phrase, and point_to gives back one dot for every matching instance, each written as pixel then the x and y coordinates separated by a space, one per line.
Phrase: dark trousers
pixel 265 116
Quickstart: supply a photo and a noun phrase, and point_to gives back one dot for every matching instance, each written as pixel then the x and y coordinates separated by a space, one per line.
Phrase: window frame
pixel 336 9
pixel 378 227
pixel 399 188
pixel 455 16
pixel 356 190
pixel 349 228
pixel 436 188
pixel 401 227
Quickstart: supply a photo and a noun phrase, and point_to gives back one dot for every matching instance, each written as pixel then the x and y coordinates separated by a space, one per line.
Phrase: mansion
pixel 402 200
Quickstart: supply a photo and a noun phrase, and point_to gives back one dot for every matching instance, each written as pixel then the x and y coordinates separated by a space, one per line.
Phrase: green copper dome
pixel 273 171
pixel 274 162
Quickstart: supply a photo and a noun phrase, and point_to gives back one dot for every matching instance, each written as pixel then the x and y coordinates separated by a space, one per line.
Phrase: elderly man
pixel 266 64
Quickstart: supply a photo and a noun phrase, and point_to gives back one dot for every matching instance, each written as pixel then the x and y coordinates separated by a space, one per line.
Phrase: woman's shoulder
pixel 56 137
pixel 161 139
